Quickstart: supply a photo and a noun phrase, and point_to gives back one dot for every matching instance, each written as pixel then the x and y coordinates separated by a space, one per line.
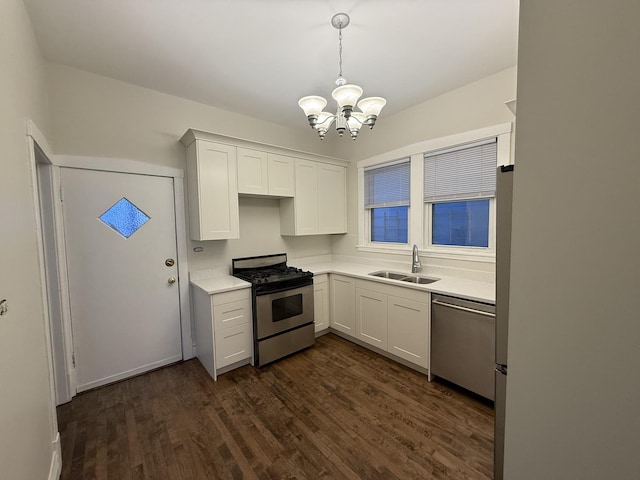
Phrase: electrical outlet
pixel 4 307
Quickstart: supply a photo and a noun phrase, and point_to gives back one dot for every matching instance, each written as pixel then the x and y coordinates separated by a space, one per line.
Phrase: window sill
pixel 467 255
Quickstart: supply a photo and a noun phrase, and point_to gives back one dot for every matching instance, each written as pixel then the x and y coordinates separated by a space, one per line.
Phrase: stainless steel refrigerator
pixel 504 196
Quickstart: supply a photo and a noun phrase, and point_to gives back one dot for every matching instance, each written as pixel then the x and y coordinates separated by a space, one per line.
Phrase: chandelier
pixel 346 97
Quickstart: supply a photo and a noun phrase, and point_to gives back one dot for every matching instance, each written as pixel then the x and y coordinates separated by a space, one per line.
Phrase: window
pixel 387 202
pixel 459 186
pixel 438 194
pixel 463 224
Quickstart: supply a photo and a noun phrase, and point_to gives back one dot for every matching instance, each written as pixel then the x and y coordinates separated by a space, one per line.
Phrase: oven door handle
pixel 283 289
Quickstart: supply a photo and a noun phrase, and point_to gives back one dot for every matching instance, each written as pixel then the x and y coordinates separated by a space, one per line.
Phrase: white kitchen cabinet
pixel 321 302
pixel 281 175
pixel 394 319
pixel 299 215
pixel 212 191
pixel 408 332
pixel 224 332
pixel 253 176
pixel 263 173
pixel 332 198
pixel 343 304
pixel 319 205
pixel 371 317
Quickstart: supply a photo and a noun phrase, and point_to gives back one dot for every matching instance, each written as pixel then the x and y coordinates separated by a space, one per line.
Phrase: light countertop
pixel 219 280
pixel 216 281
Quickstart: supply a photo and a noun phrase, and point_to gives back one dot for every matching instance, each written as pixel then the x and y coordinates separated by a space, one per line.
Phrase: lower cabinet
pixel 343 304
pixel 371 317
pixel 394 319
pixel 321 302
pixel 224 332
pixel 408 329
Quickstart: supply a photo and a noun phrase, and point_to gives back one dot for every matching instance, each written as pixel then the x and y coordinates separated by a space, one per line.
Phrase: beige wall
pixel 479 104
pixel 98 116
pixel 27 421
pixel 574 351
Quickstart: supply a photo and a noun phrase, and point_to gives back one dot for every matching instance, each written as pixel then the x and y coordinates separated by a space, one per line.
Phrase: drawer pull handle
pixel 234 334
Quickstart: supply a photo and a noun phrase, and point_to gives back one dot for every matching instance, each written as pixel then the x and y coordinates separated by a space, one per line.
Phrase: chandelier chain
pixel 340 48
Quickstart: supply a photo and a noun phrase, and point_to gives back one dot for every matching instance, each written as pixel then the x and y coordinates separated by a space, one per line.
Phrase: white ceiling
pixel 258 57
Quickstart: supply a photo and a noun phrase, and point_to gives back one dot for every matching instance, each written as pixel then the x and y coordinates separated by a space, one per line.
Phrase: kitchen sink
pixel 420 280
pixel 391 275
pixel 404 277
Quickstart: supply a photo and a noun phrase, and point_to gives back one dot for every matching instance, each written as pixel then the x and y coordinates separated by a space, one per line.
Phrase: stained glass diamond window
pixel 124 217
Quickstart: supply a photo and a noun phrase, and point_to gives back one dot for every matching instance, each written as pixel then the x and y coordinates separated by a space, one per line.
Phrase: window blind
pixel 387 186
pixel 467 172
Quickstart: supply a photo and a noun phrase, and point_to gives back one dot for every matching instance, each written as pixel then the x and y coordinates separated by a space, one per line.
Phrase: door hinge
pixel 73 359
pixel 61 194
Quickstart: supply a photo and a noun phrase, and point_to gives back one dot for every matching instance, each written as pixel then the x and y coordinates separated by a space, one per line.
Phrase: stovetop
pixel 270 272
pixel 270 275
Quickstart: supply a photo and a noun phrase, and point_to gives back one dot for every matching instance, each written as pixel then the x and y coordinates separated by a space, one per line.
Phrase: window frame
pixel 419 219
pixel 368 211
pixel 459 250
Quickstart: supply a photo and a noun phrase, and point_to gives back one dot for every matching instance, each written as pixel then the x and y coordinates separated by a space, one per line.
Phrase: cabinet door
pixel 371 317
pixel 321 303
pixel 213 191
pixel 408 330
pixel 252 172
pixel 343 304
pixel 306 199
pixel 332 199
pixel 281 175
pixel 233 344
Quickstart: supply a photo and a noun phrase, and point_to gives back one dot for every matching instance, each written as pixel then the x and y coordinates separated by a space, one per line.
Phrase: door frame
pixel 40 153
pixel 65 358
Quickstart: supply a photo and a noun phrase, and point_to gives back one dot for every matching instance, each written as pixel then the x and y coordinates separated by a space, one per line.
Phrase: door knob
pixel 169 262
pixel 171 280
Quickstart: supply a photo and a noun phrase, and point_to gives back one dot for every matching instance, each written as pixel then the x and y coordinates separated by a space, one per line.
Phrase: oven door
pixel 282 311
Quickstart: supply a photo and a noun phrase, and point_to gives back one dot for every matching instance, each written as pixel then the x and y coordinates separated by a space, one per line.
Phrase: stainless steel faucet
pixel 416 266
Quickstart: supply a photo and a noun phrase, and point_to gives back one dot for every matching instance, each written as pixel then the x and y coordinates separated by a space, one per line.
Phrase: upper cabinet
pixel 212 190
pixel 320 202
pixel 332 198
pixel 311 188
pixel 281 176
pixel 264 173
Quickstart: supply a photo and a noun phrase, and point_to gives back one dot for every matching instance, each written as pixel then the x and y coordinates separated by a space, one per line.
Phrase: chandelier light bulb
pixel 347 96
pixel 312 106
pixel 371 108
pixel 324 121
pixel 356 121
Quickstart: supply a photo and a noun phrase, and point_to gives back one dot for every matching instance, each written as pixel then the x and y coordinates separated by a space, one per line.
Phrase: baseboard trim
pixel 129 373
pixel 379 351
pixel 56 459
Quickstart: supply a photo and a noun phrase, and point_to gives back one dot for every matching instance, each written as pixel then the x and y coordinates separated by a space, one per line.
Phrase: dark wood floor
pixel 335 411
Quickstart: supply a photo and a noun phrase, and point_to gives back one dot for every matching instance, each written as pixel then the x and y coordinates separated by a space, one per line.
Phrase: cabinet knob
pixel 171 280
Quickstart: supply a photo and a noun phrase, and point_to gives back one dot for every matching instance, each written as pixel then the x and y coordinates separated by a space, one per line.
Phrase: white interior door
pixel 120 237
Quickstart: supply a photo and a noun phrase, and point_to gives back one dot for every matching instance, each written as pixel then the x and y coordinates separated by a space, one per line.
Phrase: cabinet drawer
pixel 232 314
pixel 233 344
pixel 232 296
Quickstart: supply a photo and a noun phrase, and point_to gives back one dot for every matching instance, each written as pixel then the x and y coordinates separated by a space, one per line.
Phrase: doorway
pixel 111 323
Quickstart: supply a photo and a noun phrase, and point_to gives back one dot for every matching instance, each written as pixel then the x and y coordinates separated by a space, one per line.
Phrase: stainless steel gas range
pixel 282 305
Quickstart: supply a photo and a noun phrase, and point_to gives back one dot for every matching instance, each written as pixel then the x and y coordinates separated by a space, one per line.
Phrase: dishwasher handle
pixel 464 309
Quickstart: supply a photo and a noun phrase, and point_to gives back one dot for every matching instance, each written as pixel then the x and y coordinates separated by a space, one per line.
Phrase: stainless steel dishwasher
pixel 463 343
